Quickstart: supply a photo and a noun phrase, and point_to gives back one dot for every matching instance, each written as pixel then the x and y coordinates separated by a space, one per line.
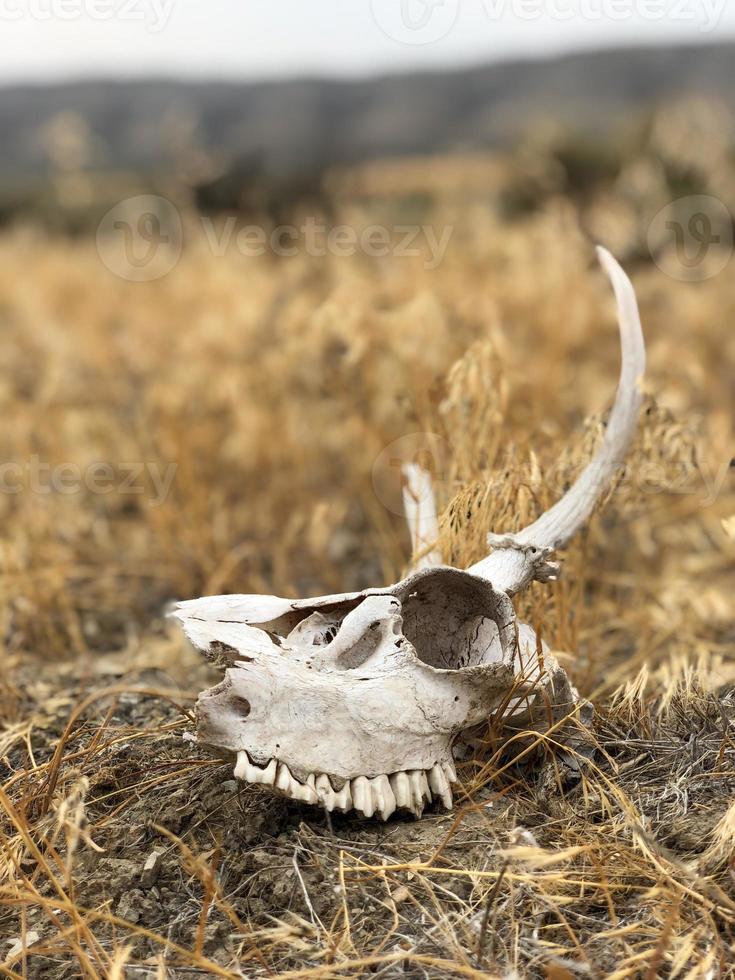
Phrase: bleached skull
pixel 355 701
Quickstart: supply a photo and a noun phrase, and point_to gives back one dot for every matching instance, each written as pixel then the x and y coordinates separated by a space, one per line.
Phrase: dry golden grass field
pixel 268 388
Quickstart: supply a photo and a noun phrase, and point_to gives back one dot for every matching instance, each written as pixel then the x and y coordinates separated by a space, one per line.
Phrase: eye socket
pixel 241 706
pixel 452 624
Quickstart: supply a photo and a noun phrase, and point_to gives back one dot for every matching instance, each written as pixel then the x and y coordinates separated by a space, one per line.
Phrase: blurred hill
pixel 298 127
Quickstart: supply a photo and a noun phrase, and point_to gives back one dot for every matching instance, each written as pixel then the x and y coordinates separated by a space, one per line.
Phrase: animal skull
pixel 355 701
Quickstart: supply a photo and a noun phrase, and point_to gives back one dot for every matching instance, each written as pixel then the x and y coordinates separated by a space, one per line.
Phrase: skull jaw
pixel 341 725
pixel 355 700
pixel 324 764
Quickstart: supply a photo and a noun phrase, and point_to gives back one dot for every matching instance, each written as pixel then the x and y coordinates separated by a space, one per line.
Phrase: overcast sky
pixel 44 39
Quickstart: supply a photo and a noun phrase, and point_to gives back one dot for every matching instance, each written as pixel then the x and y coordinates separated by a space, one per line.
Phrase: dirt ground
pixel 539 868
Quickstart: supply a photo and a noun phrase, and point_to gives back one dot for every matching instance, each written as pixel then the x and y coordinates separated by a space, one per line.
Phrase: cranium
pixel 355 701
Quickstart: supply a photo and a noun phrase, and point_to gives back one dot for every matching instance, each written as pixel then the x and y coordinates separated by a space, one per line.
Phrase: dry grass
pixel 274 386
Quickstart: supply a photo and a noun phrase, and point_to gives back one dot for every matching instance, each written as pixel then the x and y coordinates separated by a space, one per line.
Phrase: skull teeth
pixel 419 787
pixel 377 795
pixel 254 774
pixel 290 786
pixel 402 789
pixel 385 801
pixel 362 795
pixel 439 785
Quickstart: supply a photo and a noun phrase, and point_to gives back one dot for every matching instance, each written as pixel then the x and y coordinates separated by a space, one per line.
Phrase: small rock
pixel 151 869
pixel 400 895
pixel 230 786
pixel 119 874
pixel 128 907
pixel 18 945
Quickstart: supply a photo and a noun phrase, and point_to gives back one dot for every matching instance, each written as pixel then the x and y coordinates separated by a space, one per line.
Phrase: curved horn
pixel 520 558
pixel 419 505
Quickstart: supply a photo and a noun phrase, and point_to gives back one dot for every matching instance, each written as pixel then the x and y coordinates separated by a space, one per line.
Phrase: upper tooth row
pixel 380 795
